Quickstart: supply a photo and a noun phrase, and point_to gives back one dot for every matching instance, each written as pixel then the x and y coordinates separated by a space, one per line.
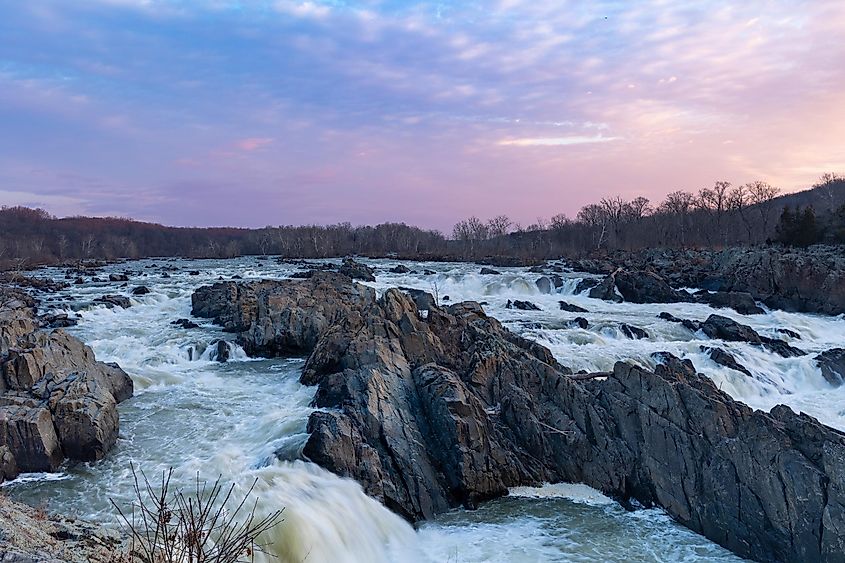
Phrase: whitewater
pixel 245 419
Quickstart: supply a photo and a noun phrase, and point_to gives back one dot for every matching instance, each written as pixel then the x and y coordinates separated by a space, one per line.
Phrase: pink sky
pixel 265 113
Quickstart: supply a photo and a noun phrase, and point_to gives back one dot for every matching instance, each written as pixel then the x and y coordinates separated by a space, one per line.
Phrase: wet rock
pixel 27 431
pixel 78 281
pixel 569 307
pixel 114 301
pixel 606 291
pixel 185 323
pixel 194 273
pixel 580 322
pixel 832 364
pixel 781 347
pixel 445 298
pixel 118 278
pixel 58 320
pixel 302 275
pixel 585 284
pixel 400 269
pixel 356 270
pixel 424 300
pixel 544 285
pixel 723 328
pixel 637 287
pixel 449 410
pixel 726 359
pixel 739 301
pixel 489 272
pixel 789 333
pixel 633 332
pixel 521 305
pixel 690 325
pixel 222 351
pixel 140 290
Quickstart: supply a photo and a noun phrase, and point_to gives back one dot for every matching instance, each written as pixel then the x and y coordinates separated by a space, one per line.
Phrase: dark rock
pixel 400 269
pixel 739 301
pixel 781 347
pixel 422 299
pixel 450 410
pixel 78 281
pixel 544 284
pixel 302 275
pixel 725 359
pixel 633 332
pixel 537 270
pixel 140 290
pixel 580 322
pixel 222 351
pixel 832 364
pixel 194 273
pixel 636 287
pixel 564 306
pixel 356 270
pixel 789 333
pixel 445 298
pixel 723 328
pixel 585 284
pixel 118 278
pixel 114 301
pixel 185 323
pixel 58 320
pixel 521 305
pixel 605 290
pixel 489 272
pixel 690 325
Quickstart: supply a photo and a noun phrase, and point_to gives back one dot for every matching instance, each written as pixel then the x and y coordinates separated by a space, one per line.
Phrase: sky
pixel 276 112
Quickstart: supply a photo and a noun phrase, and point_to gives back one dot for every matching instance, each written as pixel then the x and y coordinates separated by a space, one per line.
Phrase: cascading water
pixel 245 419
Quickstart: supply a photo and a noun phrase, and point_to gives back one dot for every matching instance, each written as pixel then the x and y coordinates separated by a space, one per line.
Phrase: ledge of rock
pixel 452 409
pixel 56 400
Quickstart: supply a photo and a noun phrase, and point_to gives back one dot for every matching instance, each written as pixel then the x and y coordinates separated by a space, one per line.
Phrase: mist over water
pixel 245 419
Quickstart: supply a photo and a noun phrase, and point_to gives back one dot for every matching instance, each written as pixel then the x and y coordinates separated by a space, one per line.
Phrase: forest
pixel 713 217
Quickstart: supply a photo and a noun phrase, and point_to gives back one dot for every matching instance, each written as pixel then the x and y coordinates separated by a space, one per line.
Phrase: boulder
pixel 27 431
pixel 222 351
pixel 725 359
pixel 569 307
pixel 185 323
pixel 400 269
pixel 832 364
pixel 544 284
pixel 489 272
pixel 521 305
pixel 140 290
pixel 723 328
pixel 424 300
pixel 356 270
pixel 580 322
pixel 114 301
pixel 586 284
pixel 633 332
pixel 605 290
pixel 118 278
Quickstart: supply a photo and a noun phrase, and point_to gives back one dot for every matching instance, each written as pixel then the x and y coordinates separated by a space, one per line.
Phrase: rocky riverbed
pixel 627 381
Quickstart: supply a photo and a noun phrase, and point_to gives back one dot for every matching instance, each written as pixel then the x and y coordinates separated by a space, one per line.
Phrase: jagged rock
pixel 544 284
pixel 400 269
pixel 832 364
pixel 739 301
pixel 118 278
pixel 633 332
pixel 356 270
pixel 114 301
pixel 59 320
pixel 489 272
pixel 723 328
pixel 452 409
pixel 140 290
pixel 726 359
pixel 569 307
pixel 8 465
pixel 185 323
pixel 521 305
pixel 691 325
pixel 422 299
pixel 56 400
pixel 636 287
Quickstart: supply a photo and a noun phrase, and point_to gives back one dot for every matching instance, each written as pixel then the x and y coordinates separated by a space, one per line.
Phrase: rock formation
pixel 452 409
pixel 56 400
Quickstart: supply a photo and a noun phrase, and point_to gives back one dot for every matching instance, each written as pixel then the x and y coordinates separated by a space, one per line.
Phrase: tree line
pixel 715 216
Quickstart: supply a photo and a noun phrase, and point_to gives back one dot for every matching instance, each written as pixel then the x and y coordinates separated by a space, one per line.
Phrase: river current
pixel 245 419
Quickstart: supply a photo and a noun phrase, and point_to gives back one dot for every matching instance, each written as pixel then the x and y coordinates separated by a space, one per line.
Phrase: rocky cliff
pixel 434 411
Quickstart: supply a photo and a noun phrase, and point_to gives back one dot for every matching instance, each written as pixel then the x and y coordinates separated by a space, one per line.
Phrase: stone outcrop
pixel 452 409
pixel 832 364
pixel 739 301
pixel 56 400
pixel 637 287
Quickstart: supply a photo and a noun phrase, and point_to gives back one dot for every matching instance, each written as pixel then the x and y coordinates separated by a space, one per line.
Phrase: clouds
pixel 409 103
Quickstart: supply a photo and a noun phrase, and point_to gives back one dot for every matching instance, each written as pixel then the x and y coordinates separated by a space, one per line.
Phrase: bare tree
pixel 760 194
pixel 499 226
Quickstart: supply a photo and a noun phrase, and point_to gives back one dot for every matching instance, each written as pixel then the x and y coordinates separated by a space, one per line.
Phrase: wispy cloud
pixel 557 141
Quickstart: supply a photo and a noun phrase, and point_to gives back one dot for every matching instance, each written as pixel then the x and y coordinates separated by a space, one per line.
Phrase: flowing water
pixel 245 419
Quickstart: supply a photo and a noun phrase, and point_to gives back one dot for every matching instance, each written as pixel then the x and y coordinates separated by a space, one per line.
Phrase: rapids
pixel 245 419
